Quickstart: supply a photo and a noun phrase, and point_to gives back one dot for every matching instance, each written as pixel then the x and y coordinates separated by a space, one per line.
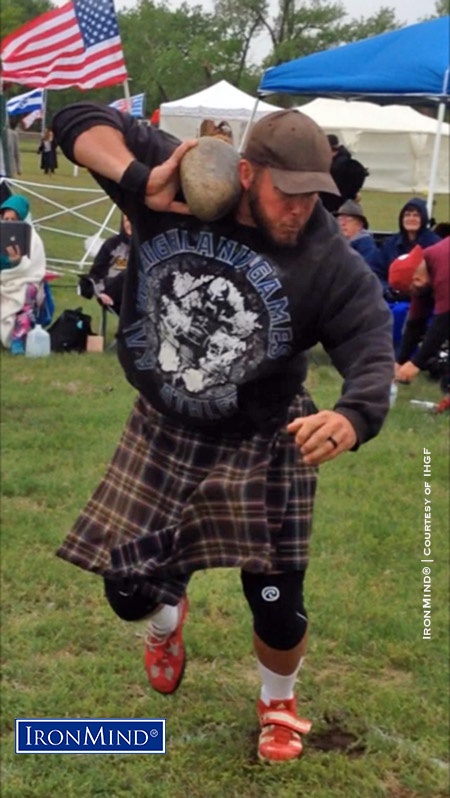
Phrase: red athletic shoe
pixel 164 657
pixel 281 728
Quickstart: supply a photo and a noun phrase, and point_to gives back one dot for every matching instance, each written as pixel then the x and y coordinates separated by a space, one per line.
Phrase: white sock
pixel 276 687
pixel 165 619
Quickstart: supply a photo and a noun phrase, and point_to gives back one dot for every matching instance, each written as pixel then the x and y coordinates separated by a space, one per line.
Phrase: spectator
pixel 222 131
pixel 348 174
pixel 21 280
pixel 354 227
pixel 47 149
pixel 106 276
pixel 12 165
pixel 426 274
pixel 414 229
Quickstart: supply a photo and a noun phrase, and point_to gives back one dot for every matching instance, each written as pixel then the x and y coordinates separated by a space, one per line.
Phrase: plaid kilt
pixel 177 500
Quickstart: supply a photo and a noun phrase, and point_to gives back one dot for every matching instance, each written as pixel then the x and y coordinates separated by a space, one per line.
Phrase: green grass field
pixel 376 691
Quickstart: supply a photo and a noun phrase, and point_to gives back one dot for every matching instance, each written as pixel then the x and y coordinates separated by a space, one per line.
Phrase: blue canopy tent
pixel 409 65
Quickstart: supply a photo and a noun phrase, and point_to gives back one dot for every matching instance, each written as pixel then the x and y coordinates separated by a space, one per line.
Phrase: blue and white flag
pixel 26 103
pixel 136 102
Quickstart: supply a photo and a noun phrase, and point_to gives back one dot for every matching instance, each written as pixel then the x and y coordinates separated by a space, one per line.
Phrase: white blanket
pixel 13 285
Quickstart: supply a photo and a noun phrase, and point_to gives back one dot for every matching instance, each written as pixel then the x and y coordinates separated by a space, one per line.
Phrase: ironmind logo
pixel 90 736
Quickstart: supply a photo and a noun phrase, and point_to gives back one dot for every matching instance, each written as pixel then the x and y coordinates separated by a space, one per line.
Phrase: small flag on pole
pixel 28 120
pixel 133 106
pixel 25 103
pixel 77 44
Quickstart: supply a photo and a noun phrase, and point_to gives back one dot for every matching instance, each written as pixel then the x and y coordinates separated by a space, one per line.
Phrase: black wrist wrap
pixel 135 178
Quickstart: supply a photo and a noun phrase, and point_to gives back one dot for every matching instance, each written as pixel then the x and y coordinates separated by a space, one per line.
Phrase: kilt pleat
pixel 176 500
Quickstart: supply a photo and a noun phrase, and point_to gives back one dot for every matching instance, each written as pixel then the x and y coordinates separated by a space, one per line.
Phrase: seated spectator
pixel 348 174
pixel 106 276
pixel 354 227
pixel 425 273
pixel 414 229
pixel 21 281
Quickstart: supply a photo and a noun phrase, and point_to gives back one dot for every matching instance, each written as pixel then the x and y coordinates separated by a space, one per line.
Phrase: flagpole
pixel 127 95
pixel 4 133
pixel 44 111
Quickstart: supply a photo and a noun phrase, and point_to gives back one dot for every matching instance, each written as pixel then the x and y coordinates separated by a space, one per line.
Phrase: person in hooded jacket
pixel 107 274
pixel 414 228
pixel 22 290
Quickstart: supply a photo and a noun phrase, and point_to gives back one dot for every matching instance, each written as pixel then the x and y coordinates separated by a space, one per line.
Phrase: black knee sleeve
pixel 128 600
pixel 276 601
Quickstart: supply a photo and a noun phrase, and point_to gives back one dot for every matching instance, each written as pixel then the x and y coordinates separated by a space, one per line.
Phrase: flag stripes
pixel 77 44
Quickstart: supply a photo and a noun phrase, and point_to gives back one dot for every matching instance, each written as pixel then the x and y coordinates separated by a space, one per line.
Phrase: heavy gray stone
pixel 210 178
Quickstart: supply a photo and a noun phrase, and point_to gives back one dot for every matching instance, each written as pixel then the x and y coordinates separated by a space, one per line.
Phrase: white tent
pixel 220 102
pixel 394 141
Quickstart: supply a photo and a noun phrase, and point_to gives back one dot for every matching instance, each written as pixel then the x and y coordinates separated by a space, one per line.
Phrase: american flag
pixel 133 106
pixel 75 45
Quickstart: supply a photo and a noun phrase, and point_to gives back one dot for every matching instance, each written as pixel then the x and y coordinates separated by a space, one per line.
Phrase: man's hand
pixel 407 372
pixel 164 182
pixel 322 436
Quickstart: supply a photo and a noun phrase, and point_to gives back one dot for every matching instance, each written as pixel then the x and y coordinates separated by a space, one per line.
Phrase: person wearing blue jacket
pixel 413 223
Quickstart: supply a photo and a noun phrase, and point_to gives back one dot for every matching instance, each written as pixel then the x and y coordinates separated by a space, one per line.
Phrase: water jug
pixel 38 342
pixel 393 394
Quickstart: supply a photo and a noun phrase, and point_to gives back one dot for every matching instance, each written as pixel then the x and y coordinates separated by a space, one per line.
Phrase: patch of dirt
pixel 335 738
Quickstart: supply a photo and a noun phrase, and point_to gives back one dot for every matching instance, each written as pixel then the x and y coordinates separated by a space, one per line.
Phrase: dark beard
pixel 260 220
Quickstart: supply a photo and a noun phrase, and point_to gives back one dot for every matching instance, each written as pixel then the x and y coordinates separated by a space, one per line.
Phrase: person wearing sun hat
pixel 21 280
pixel 217 464
pixel 354 226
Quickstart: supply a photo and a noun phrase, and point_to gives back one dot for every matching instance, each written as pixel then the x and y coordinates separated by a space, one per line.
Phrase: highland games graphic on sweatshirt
pixel 212 311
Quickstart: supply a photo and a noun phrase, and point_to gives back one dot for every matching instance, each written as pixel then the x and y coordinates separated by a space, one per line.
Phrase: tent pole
pixel 434 160
pixel 248 126
pixel 437 145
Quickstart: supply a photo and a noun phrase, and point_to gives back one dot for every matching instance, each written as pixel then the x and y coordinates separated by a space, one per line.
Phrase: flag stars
pixel 97 21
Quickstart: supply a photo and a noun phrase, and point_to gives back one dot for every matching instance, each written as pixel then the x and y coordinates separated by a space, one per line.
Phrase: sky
pixel 407 11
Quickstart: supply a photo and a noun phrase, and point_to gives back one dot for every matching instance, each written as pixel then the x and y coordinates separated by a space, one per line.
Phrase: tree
pixel 16 12
pixel 301 28
pixel 173 53
pixel 441 9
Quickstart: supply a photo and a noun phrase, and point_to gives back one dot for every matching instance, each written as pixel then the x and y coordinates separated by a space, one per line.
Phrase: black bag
pixel 70 331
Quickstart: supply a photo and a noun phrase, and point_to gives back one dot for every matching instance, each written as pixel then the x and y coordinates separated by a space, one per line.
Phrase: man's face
pixel 350 225
pixel 420 283
pixel 281 217
pixel 412 220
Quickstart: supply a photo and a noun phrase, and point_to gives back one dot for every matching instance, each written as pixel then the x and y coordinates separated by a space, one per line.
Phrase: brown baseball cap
pixel 296 151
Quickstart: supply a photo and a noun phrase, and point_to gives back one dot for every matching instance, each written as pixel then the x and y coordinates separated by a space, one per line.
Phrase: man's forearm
pixel 102 149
